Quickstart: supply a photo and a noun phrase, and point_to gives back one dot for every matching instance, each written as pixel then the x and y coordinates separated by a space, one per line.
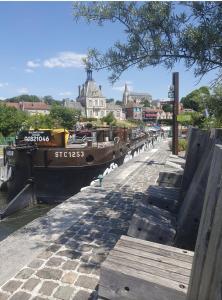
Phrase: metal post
pixel 175 82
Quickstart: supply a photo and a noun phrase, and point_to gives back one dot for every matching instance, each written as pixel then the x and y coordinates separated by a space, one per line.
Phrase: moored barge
pixel 60 162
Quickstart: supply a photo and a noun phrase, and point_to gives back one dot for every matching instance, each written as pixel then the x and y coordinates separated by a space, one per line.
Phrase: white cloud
pixel 65 60
pixel 33 64
pixel 65 94
pixel 23 90
pixel 29 71
pixel 2 98
pixel 121 88
pixel 3 84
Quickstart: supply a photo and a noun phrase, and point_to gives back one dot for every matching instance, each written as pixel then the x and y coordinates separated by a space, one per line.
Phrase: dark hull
pixel 55 183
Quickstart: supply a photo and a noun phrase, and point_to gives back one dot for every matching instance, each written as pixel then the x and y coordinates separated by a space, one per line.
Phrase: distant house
pixel 116 110
pixel 32 108
pixel 154 114
pixel 133 111
pixel 75 105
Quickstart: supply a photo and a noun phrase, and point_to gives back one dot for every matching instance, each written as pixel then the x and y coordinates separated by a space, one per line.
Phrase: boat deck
pixel 94 145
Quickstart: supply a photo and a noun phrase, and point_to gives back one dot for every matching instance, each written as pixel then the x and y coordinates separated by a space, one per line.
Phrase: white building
pixel 91 98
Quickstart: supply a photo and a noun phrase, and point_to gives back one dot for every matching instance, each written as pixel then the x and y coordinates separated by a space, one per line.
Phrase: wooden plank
pixel 191 209
pixel 157 246
pixel 119 282
pixel 211 279
pixel 156 257
pixel 158 251
pixel 151 262
pixel 197 140
pixel 209 208
pixel 144 266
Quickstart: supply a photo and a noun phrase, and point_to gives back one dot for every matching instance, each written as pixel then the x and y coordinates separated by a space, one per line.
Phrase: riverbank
pixel 58 256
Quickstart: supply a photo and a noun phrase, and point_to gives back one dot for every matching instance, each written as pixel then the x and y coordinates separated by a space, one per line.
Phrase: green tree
pixel 38 121
pixel 214 104
pixel 25 98
pixel 119 102
pixel 11 120
pixel 64 117
pixel 145 103
pixel 109 119
pixel 197 100
pixel 51 101
pixel 158 33
pixel 167 107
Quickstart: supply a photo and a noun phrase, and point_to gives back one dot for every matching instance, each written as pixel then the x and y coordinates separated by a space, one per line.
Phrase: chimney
pixel 100 87
pixel 79 90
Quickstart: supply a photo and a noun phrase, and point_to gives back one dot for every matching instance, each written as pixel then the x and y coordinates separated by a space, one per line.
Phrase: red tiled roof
pixel 12 104
pixel 29 105
pixel 35 106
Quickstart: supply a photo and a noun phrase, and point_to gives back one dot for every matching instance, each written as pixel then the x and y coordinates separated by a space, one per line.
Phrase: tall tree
pixel 158 33
pixel 197 100
pixel 11 120
pixel 25 98
pixel 215 103
pixel 64 117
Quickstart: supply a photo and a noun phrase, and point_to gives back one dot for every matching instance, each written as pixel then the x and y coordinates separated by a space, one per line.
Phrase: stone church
pixel 134 97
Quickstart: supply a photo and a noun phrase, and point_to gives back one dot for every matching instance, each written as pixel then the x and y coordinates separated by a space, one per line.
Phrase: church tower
pixel 125 95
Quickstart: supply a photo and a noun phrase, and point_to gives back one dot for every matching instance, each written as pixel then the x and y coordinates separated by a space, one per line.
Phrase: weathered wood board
pixel 143 270
pixel 206 275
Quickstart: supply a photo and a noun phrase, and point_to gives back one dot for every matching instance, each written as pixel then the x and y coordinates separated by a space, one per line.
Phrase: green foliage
pixel 109 119
pixel 118 102
pixel 145 103
pixel 197 99
pixel 51 101
pixel 25 98
pixel 157 33
pixel 182 145
pixel 11 120
pixel 38 121
pixel 64 117
pixel 215 103
pixel 167 108
pixel 110 100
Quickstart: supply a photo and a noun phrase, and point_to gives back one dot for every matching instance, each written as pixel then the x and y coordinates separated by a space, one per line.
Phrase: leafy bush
pixel 182 145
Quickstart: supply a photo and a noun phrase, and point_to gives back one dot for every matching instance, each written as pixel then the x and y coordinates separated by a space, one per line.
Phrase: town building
pixel 74 105
pixel 31 108
pixel 130 96
pixel 155 114
pixel 116 110
pixel 91 98
pixel 133 111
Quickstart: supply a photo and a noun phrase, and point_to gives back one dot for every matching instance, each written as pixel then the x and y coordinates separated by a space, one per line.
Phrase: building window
pixel 96 102
pixel 96 113
pixel 90 103
pixel 90 113
pixel 101 102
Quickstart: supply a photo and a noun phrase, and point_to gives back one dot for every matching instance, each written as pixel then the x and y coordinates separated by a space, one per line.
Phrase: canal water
pixel 20 218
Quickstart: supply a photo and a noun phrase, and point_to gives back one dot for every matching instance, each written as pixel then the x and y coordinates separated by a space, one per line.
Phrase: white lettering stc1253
pixel 69 154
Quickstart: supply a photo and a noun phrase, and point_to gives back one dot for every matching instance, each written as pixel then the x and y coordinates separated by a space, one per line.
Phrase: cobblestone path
pixel 69 268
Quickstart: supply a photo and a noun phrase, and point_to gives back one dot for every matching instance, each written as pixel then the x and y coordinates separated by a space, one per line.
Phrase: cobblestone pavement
pixel 69 268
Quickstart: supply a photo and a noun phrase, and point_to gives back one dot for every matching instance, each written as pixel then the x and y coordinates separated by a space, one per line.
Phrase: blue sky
pixel 41 48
